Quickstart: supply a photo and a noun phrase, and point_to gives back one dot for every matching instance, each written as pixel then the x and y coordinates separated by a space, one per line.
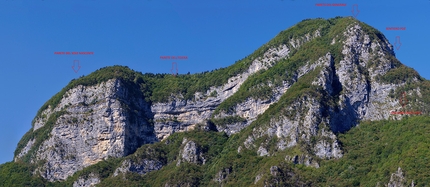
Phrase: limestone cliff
pixel 308 88
pixel 91 124
pixel 348 91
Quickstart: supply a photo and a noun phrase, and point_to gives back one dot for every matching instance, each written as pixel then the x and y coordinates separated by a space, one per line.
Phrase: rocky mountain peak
pixel 292 96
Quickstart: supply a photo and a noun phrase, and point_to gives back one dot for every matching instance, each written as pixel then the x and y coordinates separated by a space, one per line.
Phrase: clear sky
pixel 135 33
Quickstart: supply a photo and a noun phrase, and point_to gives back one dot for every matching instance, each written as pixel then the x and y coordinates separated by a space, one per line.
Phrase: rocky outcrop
pixel 181 115
pixel 25 150
pixel 274 170
pixel 304 120
pixel 398 179
pixel 191 153
pixel 142 166
pixel 252 107
pixel 222 175
pixel 279 175
pixel 290 131
pixel 94 124
pixel 363 97
pixel 257 178
pixel 302 159
pixel 351 92
pixel 88 181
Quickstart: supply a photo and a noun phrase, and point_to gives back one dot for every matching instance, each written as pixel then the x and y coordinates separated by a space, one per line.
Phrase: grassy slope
pixel 374 150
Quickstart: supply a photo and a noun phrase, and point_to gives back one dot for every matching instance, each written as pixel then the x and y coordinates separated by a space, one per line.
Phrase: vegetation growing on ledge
pixel 39 135
pixel 227 120
pixel 401 74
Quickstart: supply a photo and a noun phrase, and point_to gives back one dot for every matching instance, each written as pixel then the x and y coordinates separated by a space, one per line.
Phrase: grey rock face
pixel 397 179
pixel 181 115
pixel 95 126
pixel 89 181
pixel 257 178
pixel 303 159
pixel 191 153
pixel 251 108
pixel 141 167
pixel 25 149
pixel 274 170
pixel 351 85
pixel 363 97
pixel 290 131
pixel 222 175
pixel 301 123
pixel 262 151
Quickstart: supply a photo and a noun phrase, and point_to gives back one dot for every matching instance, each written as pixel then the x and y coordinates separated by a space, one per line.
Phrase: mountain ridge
pixel 291 97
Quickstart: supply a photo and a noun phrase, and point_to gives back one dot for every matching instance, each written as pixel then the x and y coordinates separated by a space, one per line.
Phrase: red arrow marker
pixel 355 13
pixel 398 43
pixel 174 67
pixel 76 62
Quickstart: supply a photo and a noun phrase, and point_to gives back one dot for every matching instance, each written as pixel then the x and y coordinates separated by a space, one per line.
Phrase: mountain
pixel 318 105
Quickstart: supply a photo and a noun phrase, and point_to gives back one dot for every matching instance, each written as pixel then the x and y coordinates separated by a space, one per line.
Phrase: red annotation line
pixel 73 53
pixel 355 10
pixel 397 43
pixel 330 4
pixel 174 67
pixel 407 112
pixel 174 57
pixel 77 65
pixel 395 28
pixel 403 100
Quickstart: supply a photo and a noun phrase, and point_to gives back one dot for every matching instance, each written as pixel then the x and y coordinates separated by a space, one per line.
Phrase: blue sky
pixel 135 33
